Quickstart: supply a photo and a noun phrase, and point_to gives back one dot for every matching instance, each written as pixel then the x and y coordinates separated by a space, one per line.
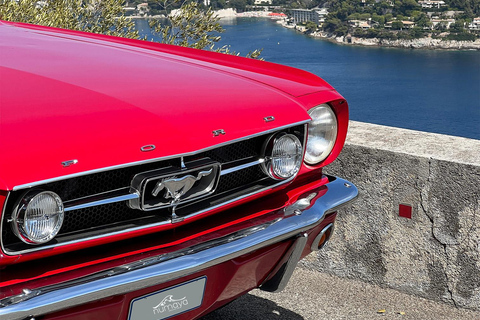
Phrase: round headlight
pixel 38 217
pixel 283 156
pixel 322 133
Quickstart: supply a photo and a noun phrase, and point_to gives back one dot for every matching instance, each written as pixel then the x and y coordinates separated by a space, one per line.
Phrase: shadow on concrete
pixel 252 307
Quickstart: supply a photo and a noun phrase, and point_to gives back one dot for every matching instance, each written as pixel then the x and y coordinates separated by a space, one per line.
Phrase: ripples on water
pixel 435 91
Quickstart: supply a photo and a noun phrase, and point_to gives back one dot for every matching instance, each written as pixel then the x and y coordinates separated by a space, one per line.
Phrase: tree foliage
pixel 311 26
pixel 97 16
pixel 471 7
pixel 422 21
pixel 462 36
pixel 191 26
pixel 457 27
pixel 397 25
pixel 382 12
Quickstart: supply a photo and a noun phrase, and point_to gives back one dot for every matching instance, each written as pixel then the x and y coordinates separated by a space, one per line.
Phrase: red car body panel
pixel 68 95
pixel 118 89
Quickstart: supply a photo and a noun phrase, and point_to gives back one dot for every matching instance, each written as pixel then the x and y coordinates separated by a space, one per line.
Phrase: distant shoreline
pixel 223 14
pixel 421 43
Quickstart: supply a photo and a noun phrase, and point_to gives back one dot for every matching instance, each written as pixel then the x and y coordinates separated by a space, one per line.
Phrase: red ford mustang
pixel 147 181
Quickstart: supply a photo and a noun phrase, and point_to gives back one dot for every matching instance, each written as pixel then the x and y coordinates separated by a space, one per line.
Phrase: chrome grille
pixel 83 186
pixel 237 180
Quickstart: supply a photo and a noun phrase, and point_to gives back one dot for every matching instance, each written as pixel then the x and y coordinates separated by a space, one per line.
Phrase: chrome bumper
pixel 163 268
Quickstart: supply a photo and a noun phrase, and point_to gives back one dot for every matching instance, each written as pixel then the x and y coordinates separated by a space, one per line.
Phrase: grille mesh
pixel 232 152
pixel 100 215
pixel 99 182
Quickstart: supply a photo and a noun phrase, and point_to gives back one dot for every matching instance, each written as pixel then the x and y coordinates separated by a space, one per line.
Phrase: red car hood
pixel 65 96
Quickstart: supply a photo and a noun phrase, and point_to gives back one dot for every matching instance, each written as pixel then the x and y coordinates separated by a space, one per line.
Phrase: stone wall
pixel 436 253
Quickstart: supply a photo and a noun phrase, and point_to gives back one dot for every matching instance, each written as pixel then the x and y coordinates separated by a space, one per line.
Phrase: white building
pixel 364 24
pixel 269 2
pixel 475 24
pixel 316 15
pixel 446 22
pixel 143 8
pixel 406 24
pixel 432 4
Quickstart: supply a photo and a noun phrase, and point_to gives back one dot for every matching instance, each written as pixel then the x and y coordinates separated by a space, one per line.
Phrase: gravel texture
pixel 314 295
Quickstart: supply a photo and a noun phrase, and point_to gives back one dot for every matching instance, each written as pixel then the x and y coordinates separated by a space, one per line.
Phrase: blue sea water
pixel 427 90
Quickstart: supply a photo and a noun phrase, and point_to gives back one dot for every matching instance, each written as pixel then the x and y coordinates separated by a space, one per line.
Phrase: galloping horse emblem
pixel 177 187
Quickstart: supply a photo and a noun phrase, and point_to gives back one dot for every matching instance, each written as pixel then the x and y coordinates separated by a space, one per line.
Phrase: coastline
pixel 420 43
pixel 224 14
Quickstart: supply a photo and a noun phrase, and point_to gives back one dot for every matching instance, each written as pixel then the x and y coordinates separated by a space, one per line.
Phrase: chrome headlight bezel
pixel 272 162
pixel 22 218
pixel 322 134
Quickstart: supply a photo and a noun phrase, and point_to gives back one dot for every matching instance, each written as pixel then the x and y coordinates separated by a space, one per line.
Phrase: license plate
pixel 168 302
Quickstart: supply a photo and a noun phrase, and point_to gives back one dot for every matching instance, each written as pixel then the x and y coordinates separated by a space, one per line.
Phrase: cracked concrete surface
pixel 436 254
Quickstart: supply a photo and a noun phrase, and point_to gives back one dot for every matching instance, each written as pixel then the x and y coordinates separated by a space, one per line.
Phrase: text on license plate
pixel 168 302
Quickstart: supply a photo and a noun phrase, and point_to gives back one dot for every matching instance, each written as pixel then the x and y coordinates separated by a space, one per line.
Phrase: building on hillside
pixel 129 11
pixel 143 9
pixel 432 4
pixel 269 2
pixel 451 14
pixel 316 15
pixel 475 24
pixel 388 2
pixel 364 24
pixel 406 24
pixel 445 22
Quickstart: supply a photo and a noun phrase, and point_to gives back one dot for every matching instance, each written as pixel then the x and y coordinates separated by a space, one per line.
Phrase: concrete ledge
pixel 436 253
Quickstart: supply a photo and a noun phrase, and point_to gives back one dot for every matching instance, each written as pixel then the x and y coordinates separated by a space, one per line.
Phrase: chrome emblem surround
pixel 173 186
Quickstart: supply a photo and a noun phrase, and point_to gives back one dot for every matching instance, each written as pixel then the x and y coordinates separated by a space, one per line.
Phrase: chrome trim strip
pixel 130 196
pixel 126 197
pixel 34 249
pixel 36 183
pixel 241 167
pixel 167 267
